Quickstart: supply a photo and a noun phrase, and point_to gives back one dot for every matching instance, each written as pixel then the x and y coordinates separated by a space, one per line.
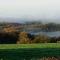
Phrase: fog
pixel 46 10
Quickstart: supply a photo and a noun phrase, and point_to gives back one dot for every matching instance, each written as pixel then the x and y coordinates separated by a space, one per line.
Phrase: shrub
pixel 41 39
pixel 53 40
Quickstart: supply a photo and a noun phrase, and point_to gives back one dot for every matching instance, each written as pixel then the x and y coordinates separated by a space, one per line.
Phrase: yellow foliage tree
pixel 23 38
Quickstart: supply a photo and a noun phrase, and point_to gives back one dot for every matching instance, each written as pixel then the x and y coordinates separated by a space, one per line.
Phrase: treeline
pixel 25 38
pixel 47 27
pixel 32 26
pixel 14 33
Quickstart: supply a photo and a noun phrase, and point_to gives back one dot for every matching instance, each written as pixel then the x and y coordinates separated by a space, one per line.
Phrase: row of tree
pixel 43 27
pixel 10 35
pixel 25 38
pixel 33 25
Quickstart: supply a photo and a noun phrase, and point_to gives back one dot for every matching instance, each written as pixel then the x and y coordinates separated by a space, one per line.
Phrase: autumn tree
pixel 41 39
pixel 23 38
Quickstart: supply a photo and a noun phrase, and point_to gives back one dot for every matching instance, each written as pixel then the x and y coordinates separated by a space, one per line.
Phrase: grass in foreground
pixel 28 51
pixel 41 45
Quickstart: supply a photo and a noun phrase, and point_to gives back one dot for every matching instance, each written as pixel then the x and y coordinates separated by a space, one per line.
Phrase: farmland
pixel 28 51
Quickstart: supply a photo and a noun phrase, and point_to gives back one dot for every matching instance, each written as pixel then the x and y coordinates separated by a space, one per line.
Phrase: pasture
pixel 28 51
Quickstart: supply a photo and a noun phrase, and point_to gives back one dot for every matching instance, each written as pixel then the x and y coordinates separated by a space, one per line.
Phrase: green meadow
pixel 28 51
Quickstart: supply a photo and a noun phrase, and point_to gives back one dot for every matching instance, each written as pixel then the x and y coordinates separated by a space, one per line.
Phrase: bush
pixel 41 39
pixel 53 40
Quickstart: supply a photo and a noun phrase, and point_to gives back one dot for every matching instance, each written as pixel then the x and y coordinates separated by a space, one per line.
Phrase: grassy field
pixel 41 45
pixel 28 51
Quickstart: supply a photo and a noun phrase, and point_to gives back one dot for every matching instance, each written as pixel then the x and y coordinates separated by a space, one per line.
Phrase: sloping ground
pixel 29 51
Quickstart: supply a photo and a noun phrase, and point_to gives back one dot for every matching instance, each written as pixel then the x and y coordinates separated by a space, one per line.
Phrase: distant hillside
pixel 35 26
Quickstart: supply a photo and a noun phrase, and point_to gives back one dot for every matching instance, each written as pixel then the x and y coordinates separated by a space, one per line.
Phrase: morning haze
pixel 45 10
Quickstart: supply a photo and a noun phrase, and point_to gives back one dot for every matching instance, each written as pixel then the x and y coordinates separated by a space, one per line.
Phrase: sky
pixel 31 9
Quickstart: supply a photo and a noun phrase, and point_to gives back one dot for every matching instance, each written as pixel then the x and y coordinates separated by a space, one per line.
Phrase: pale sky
pixel 33 9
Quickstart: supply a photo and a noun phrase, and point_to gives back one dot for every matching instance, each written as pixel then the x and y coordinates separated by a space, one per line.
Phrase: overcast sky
pixel 32 9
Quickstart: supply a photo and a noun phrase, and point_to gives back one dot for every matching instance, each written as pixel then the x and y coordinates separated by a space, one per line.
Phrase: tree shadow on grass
pixel 28 53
